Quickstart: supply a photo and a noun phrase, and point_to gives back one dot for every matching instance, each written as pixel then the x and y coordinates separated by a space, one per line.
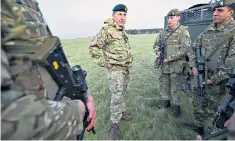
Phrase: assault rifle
pixel 200 67
pixel 225 111
pixel 71 81
pixel 162 54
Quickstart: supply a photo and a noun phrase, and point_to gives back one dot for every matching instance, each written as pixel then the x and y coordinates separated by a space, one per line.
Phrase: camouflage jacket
pixel 26 87
pixel 223 60
pixel 176 48
pixel 111 46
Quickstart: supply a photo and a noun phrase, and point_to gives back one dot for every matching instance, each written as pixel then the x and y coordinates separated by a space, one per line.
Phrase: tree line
pixel 144 31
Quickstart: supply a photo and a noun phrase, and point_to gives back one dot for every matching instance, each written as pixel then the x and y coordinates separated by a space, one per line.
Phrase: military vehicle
pixel 197 18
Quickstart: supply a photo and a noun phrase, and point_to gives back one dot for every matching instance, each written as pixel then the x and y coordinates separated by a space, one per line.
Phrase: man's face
pixel 120 18
pixel 222 14
pixel 173 21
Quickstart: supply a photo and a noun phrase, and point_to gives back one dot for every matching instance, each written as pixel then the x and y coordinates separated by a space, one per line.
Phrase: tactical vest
pixel 173 42
pixel 24 35
pixel 210 39
pixel 172 47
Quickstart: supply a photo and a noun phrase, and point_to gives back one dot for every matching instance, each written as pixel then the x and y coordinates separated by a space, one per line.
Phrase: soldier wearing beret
pixel 177 41
pixel 110 49
pixel 222 60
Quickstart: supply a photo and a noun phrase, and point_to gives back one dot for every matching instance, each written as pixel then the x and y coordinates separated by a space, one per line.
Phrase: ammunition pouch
pixel 179 66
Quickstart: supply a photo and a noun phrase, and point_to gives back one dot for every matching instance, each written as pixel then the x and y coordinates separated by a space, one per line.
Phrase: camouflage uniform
pixel 110 47
pixel 171 76
pixel 26 111
pixel 218 67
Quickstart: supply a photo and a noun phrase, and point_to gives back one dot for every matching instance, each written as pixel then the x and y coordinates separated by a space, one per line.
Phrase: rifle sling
pixel 171 33
pixel 167 38
pixel 218 45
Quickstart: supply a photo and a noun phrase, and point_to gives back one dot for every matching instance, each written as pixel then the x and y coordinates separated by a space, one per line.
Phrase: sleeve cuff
pixel 76 109
pixel 100 62
pixel 80 115
pixel 88 93
pixel 214 79
pixel 169 58
pixel 155 50
pixel 192 65
pixel 172 58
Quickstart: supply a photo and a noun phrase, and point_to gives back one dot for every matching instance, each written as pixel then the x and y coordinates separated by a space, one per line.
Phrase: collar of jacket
pixel 168 28
pixel 213 27
pixel 111 22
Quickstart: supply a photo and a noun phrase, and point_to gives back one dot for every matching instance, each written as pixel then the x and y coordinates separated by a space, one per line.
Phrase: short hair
pixel 230 8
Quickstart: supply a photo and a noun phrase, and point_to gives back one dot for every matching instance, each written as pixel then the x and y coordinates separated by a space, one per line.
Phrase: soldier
pixel 27 89
pixel 221 62
pixel 177 41
pixel 110 49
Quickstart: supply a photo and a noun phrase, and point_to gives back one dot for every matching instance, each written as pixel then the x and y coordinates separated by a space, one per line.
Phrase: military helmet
pixel 223 3
pixel 173 12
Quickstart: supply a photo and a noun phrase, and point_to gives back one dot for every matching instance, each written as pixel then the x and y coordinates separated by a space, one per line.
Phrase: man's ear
pixel 232 12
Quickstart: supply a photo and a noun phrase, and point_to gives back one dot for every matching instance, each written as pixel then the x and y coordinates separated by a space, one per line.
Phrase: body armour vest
pixel 209 41
pixel 173 46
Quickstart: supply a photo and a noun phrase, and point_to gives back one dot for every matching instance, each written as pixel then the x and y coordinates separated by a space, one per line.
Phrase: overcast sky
pixel 83 18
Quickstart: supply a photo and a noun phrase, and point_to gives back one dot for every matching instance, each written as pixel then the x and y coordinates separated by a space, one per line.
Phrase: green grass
pixel 149 122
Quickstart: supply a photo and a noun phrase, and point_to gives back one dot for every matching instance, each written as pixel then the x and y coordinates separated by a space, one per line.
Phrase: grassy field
pixel 149 122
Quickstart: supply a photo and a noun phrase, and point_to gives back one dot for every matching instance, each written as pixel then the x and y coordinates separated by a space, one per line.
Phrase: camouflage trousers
pixel 170 87
pixel 117 82
pixel 205 110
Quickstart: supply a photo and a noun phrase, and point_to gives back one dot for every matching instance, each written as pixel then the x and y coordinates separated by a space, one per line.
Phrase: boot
pixel 126 116
pixel 113 133
pixel 166 103
pixel 192 126
pixel 176 111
